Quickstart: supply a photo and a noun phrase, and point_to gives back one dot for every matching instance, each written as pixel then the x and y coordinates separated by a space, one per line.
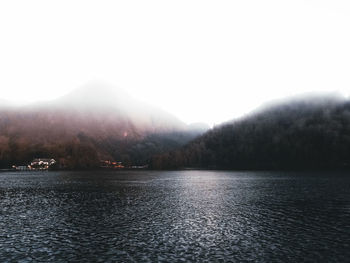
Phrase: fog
pixel 101 103
pixel 202 61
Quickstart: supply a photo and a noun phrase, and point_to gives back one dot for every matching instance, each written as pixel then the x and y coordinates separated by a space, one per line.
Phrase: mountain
pixel 92 123
pixel 305 132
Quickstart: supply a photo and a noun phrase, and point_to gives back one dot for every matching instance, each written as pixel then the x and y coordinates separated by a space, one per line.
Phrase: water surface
pixel 202 216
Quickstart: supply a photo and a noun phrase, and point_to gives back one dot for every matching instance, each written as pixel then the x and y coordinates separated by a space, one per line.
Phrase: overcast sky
pixel 206 61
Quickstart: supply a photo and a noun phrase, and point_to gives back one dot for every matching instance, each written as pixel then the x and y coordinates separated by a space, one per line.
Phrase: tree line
pixel 305 133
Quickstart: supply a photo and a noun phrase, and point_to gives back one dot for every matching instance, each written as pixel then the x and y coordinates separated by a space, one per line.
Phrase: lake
pixel 177 216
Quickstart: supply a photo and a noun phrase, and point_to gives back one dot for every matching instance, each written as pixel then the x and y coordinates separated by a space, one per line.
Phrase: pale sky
pixel 203 61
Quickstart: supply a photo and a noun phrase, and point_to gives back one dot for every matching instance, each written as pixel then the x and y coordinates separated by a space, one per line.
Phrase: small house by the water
pixel 111 164
pixel 42 163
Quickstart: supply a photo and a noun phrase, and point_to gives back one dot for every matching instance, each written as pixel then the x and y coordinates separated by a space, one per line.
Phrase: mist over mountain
pixel 5 104
pixel 198 126
pixel 93 122
pixel 305 132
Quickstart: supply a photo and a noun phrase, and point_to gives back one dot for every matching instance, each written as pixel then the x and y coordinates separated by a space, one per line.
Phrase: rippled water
pixel 202 216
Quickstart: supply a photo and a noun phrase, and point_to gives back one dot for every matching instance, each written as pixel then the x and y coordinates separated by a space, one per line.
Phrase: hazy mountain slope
pixel 92 123
pixel 4 104
pixel 98 99
pixel 303 133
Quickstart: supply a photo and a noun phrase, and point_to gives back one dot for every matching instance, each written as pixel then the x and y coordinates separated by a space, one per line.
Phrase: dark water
pixel 174 217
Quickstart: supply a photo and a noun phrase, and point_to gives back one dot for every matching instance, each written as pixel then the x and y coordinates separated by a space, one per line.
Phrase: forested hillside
pixel 91 124
pixel 303 133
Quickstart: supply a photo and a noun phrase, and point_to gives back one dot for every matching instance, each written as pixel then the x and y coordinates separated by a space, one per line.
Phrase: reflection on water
pixel 174 216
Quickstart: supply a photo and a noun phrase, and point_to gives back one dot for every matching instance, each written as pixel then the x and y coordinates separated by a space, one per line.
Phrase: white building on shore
pixel 42 163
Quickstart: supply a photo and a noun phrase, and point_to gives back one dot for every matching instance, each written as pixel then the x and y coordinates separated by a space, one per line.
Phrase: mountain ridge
pixel 81 128
pixel 304 133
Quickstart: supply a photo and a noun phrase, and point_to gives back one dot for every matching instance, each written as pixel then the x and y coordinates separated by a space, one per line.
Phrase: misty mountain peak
pixel 103 101
pixel 96 88
pixel 97 95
